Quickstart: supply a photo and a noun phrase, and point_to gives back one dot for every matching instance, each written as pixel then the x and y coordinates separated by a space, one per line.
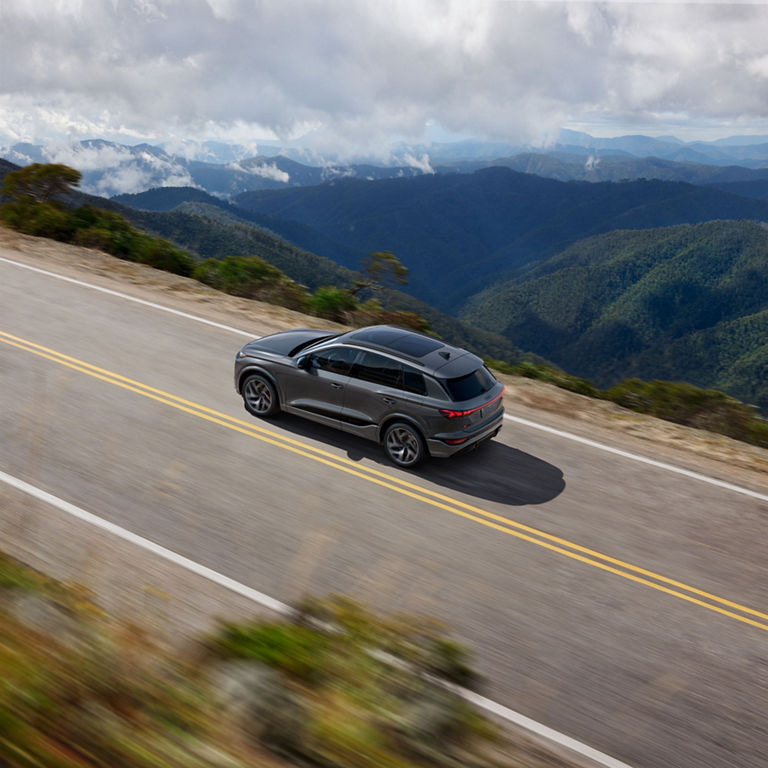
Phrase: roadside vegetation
pixel 33 205
pixel 334 686
pixel 673 401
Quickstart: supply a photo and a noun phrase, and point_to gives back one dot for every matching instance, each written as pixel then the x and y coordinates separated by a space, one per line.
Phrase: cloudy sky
pixel 351 75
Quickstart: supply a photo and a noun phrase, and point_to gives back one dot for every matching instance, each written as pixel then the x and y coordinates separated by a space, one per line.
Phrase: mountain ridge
pixel 111 168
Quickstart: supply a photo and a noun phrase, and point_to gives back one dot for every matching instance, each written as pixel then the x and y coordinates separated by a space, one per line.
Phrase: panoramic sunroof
pixel 413 346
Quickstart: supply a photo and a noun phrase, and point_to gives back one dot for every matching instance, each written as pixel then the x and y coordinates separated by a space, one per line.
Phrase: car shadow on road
pixel 493 471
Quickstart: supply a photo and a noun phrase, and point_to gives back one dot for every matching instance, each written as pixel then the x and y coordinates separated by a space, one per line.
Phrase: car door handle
pixel 389 400
pixel 337 386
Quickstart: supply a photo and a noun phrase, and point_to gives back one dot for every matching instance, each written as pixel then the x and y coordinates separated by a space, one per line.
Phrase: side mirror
pixel 304 362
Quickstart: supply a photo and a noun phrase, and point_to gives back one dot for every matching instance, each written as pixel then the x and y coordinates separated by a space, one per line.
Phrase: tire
pixel 260 397
pixel 404 445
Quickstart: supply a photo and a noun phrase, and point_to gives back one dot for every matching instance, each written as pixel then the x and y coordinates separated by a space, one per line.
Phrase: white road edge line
pixel 129 298
pixel 532 424
pixel 281 608
pixel 637 457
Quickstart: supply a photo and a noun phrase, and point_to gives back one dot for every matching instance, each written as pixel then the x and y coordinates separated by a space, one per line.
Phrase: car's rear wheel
pixel 260 397
pixel 404 445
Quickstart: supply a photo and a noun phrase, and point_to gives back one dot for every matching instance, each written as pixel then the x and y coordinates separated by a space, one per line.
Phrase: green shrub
pixel 14 575
pixel 253 278
pixel 332 303
pixel 692 406
pixel 372 313
pixel 239 275
pixel 674 401
pixel 93 237
pixel 161 254
pixel 757 432
pixel 450 661
pixel 297 650
pixel 39 219
pixel 554 376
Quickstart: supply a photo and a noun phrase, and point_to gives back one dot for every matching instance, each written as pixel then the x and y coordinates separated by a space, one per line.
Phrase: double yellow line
pixel 470 512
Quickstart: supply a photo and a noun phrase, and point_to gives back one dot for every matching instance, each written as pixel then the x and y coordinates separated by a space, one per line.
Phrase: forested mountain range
pixel 461 233
pixel 684 302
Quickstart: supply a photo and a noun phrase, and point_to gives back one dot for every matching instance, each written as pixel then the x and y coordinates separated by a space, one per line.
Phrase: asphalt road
pixel 621 604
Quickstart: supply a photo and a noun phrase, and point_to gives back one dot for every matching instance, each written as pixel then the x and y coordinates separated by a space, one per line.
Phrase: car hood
pixel 285 342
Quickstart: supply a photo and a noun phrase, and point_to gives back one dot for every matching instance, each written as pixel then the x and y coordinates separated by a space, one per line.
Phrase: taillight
pixel 458 441
pixel 450 414
pixel 453 414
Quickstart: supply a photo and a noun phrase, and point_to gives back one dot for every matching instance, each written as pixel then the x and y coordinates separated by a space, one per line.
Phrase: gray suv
pixel 412 393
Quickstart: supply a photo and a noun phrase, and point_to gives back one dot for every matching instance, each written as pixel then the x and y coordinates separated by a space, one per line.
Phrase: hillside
pixel 215 236
pixel 681 303
pixel 461 233
pixel 190 200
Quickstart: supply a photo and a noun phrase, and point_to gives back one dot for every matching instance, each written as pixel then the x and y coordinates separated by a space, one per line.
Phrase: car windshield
pixel 312 342
pixel 471 385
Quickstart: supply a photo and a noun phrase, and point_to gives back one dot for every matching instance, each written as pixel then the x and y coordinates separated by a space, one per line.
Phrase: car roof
pixel 425 351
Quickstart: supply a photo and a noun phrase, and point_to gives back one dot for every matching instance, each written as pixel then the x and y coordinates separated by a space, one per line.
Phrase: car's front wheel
pixel 259 396
pixel 404 445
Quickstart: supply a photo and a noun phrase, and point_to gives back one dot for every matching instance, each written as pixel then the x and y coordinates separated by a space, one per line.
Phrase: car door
pixel 373 391
pixel 317 390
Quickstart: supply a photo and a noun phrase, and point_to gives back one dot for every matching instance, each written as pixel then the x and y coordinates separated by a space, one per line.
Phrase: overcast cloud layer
pixel 358 72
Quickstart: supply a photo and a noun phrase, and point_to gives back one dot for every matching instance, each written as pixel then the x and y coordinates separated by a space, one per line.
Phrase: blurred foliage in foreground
pixel 673 401
pixel 333 686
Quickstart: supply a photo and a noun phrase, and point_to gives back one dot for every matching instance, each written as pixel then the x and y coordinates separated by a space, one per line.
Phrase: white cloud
pixel 129 178
pixel 357 73
pixel 265 170
pixel 87 158
pixel 420 163
pixel 333 172
pixel 134 177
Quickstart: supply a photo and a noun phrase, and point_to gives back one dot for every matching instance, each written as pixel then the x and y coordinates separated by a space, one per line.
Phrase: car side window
pixel 413 381
pixel 378 370
pixel 435 390
pixel 335 360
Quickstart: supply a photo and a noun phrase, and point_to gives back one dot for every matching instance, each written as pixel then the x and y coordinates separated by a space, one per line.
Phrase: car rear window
pixel 471 385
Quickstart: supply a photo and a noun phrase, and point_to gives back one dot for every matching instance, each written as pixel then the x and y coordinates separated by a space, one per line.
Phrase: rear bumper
pixel 441 449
